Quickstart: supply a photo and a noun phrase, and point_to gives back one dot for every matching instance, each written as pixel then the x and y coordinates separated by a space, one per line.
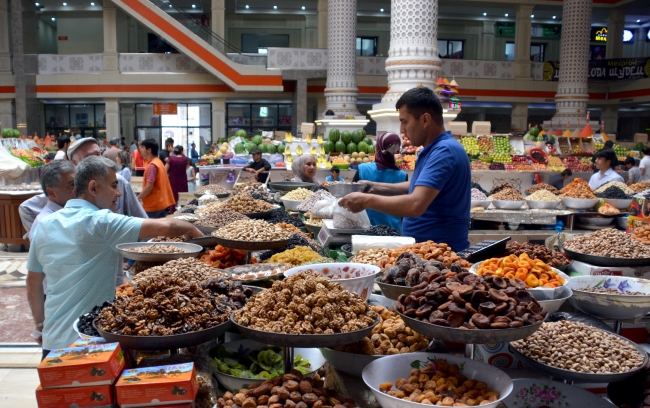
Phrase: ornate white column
pixel 523 28
pixel 112 112
pixel 110 58
pixel 615 27
pixel 572 91
pixel 127 117
pixel 5 26
pixel 322 23
pixel 218 118
pixel 412 57
pixel 487 40
pixel 218 20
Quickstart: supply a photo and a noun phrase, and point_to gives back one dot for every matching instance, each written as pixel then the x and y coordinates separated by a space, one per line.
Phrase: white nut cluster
pixel 543 195
pixel 370 256
pixel 252 230
pixel 298 194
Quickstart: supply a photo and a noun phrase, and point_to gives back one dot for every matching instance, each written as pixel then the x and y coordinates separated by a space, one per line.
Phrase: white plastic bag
pixel 324 209
pixel 344 219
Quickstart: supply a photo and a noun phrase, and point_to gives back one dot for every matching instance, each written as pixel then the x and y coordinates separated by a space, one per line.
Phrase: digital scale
pixel 328 238
pixel 489 248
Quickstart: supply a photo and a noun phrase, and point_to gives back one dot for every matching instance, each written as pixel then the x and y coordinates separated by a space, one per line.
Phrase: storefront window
pixel 82 116
pixel 57 116
pixel 84 120
pixel 258 117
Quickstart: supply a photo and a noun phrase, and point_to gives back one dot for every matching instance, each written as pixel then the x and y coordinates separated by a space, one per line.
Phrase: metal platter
pixel 314 229
pixel 188 217
pixel 206 241
pixel 392 291
pixel 258 215
pixel 605 260
pixel 582 377
pixel 238 270
pixel 166 342
pixel 251 245
pixel 303 340
pixel 289 185
pixel 479 336
pixel 158 257
pixel 222 195
pixel 205 230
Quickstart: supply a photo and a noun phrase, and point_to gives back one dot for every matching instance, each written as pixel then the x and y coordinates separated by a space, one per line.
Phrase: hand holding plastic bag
pixel 345 219
pixel 324 209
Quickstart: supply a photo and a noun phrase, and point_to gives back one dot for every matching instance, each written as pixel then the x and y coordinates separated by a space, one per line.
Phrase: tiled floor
pixel 13 269
pixel 18 376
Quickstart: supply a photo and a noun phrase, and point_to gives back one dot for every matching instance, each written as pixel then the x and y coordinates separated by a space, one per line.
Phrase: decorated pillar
pixel 523 28
pixel 218 118
pixel 615 27
pixel 218 18
pixel 112 112
pixel 110 57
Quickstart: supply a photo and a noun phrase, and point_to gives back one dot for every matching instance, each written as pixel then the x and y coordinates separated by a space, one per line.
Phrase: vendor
pixel 557 180
pixel 304 170
pixel 258 166
pixel 75 248
pixel 633 171
pixel 435 204
pixel 383 170
pixel 334 175
pixel 605 161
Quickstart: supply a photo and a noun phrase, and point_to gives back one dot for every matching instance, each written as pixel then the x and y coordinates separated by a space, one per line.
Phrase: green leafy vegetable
pixel 255 364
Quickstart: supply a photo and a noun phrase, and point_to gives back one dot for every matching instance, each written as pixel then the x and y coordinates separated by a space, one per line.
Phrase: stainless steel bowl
pixel 193 249
pixel 481 203
pixel 289 185
pixel 623 204
pixel 553 305
pixel 621 222
pixel 508 205
pixel 349 363
pixel 542 205
pixel 343 189
pixel 314 229
pixel 291 205
pixel 599 221
pixel 392 291
pixel 579 203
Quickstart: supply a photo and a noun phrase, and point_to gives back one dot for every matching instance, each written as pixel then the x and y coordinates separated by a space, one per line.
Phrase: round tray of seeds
pixel 157 252
pixel 252 235
pixel 608 247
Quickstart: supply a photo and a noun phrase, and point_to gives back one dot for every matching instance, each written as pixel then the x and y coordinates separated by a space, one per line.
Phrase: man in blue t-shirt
pixel 435 204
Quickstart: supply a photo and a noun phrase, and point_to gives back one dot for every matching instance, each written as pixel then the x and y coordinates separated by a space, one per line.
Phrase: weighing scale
pixel 327 238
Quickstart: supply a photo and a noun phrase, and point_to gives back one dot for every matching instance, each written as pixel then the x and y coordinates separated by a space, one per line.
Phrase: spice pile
pixel 252 187
pixel 296 256
pixel 221 257
pixel 213 189
pixel 428 251
pixel 381 231
pixel 189 269
pixel 308 204
pixel 613 192
pixel 279 215
pixel 158 249
pixel 608 243
pixel 306 303
pixel 542 186
pixel 298 194
pixel 369 256
pixel 543 195
pixel 252 230
pixel 574 346
pixel 535 251
pixel 624 187
pixel 220 218
pixel 507 194
pixel 534 272
pixel 245 204
pixel 478 195
pixel 578 188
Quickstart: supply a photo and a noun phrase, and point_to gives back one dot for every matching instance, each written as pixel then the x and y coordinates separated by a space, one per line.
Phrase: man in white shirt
pixel 604 161
pixel 57 182
pixel 645 164
pixel 62 143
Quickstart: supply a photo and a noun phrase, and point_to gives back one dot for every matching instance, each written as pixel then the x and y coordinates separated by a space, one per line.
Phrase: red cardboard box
pixel 155 386
pixel 100 396
pixel 81 366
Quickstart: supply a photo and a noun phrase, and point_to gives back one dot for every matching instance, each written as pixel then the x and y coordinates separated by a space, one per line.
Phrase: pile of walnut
pixel 286 391
pixel 411 270
pixel 429 251
pixel 468 301
pixel 306 303
pixel 167 306
pixel 252 187
pixel 390 336
pixel 245 204
pixel 441 384
pixel 188 269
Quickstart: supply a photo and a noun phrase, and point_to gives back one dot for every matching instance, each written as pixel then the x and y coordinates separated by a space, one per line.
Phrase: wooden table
pixel 11 228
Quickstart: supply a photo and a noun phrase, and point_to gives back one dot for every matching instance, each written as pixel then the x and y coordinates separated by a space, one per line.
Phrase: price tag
pixel 185 198
pixel 322 235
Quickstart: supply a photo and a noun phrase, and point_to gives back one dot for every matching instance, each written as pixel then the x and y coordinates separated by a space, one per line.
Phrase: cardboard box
pixel 93 341
pixel 100 396
pixel 81 366
pixel 152 386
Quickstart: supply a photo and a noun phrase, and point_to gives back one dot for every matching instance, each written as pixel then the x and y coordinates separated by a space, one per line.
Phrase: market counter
pixel 11 228
pixel 540 217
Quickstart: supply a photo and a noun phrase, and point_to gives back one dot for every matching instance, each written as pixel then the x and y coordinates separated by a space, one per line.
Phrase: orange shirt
pixel 161 196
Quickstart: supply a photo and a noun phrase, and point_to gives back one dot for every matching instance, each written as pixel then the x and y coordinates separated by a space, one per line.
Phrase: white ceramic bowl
pixel 553 305
pixel 291 205
pixel 611 306
pixel 76 329
pixel 390 368
pixel 483 203
pixel 579 203
pixel 621 222
pixel 508 205
pixel 542 205
pixel 358 278
pixel 348 363
pixel 542 392
pixel 595 220
pixel 623 204
pixel 232 383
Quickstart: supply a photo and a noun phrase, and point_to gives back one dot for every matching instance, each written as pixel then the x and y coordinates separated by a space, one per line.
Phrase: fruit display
pixel 407 147
pixel 30 157
pixel 533 135
pixel 221 257
pixel 479 165
pixel 555 164
pixel 534 272
pixel 9 133
pixel 565 148
pixel 257 364
pixel 497 166
pixel 485 144
pixel 501 144
pixel 502 157
pixel 470 144
pixel 618 149
pixel 575 164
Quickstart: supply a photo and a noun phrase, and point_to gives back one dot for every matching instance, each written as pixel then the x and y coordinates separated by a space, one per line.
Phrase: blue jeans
pixel 157 214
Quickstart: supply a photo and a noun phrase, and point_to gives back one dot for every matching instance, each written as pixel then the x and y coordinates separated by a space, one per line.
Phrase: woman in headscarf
pixel 304 169
pixel 384 170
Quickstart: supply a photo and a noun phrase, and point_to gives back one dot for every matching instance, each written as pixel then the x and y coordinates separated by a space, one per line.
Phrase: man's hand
pixel 195 233
pixel 354 202
pixel 250 170
pixel 39 339
pixel 368 186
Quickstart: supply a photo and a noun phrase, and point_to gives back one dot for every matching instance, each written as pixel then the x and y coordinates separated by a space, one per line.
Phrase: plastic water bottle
pixel 559 225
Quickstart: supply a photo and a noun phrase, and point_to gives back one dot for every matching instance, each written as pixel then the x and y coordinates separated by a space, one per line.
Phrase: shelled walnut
pixel 245 204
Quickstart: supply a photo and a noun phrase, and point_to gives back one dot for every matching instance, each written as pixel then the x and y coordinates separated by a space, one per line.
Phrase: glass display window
pixel 82 116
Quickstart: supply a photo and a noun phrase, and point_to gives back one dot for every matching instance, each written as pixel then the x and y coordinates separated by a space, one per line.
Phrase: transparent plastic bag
pixel 345 219
pixel 324 209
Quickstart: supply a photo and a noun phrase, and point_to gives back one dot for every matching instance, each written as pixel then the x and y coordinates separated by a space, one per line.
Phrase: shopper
pixel 134 147
pixel 122 143
pixel 75 249
pixel 137 162
pixel 557 180
pixel 156 195
pixel 334 175
pixel 260 167
pixel 435 204
pixel 633 171
pixel 113 149
pixel 605 160
pixel 62 143
pixel 191 177
pixel 176 167
pixel 169 148
pixel 57 182
pixel 194 153
pixel 644 166
pixel 124 160
pixel 304 170
pixel 383 170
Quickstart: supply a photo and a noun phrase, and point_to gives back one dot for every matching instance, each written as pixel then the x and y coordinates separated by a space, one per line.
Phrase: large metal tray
pixel 479 336
pixel 258 215
pixel 290 185
pixel 303 340
pixel 158 257
pixel 582 377
pixel 239 269
pixel 605 260
pixel 206 241
pixel 251 245
pixel 221 195
pixel 175 341
pixel 392 291
pixel 205 230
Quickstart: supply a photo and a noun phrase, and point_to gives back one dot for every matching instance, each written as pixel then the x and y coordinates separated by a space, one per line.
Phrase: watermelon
pixel 371 149
pixel 362 147
pixel 339 147
pixel 239 148
pixel 334 135
pixel 346 137
pixel 241 133
pixel 328 146
pixel 368 141
pixel 257 139
pixel 271 148
pixel 362 133
pixel 352 147
pixel 251 146
pixel 357 136
pixel 264 148
pixel 221 140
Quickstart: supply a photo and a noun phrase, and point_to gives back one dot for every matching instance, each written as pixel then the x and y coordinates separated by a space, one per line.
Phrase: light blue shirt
pixel 329 178
pixel 75 249
pixel 50 208
pixel 598 179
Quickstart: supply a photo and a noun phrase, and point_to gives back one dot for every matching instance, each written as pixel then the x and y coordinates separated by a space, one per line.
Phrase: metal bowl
pixel 239 269
pixel 542 205
pixel 621 222
pixel 553 305
pixel 579 203
pixel 290 185
pixel 303 340
pixel 389 368
pixel 251 245
pixel 233 383
pixel 349 363
pixel 192 218
pixel 508 205
pixel 611 306
pixel 392 291
pixel 123 249
pixel 206 230
pixel 479 336
pixel 382 300
pixel 206 242
pixel 594 220
pixel 623 204
pixel 314 229
pixel 258 215
pixel 482 203
pixel 220 195
pixel 556 393
pixel 291 205
pixel 606 260
pixel 342 189
pixel 358 278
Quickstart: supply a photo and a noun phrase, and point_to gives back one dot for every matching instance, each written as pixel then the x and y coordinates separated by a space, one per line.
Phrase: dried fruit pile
pixel 534 272
pixel 536 251
pixel 245 204
pixel 642 234
pixel 429 251
pixel 542 186
pixel 507 194
pixel 578 188
pixel 296 256
pixel 221 257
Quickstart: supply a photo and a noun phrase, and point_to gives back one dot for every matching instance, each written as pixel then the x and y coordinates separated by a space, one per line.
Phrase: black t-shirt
pixel 260 164
pixel 163 155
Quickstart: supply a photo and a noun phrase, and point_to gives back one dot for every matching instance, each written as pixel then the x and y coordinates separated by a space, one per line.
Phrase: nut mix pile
pixel 507 194
pixel 140 266
pixel 574 346
pixel 429 251
pixel 306 303
pixel 390 336
pixel 543 195
pixel 158 249
pixel 168 306
pixel 288 391
pixel 168 239
pixel 626 189
pixel 252 230
pixel 535 251
pixel 642 234
pixel 441 384
pixel 209 208
pixel 212 189
pixel 477 195
pixel 467 301
pixel 578 188
pixel 369 256
pixel 298 194
pixel 611 291
pixel 609 243
pixel 190 269
pixel 314 198
pixel 252 187
pixel 640 187
pixel 220 218
pixel 245 204
pixel 542 186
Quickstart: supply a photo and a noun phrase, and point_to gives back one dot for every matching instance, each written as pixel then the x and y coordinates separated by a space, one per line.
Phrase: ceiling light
pixel 170 6
pixel 381 10
pixel 92 4
pixel 554 17
pixel 38 4
pixel 484 14
pixel 275 7
pixel 193 5
pixel 506 14
pixel 247 7
pixel 303 7
pixel 532 16
pixel 65 4
pixel 638 21
pixel 53 19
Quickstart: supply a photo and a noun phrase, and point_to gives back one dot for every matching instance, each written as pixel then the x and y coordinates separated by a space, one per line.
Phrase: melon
pixel 339 147
pixel 334 135
pixel 251 146
pixel 328 146
pixel 355 155
pixel 362 155
pixel 371 149
pixel 271 148
pixel 223 149
pixel 362 133
pixel 257 139
pixel 366 160
pixel 351 148
pixel 241 133
pixel 357 136
pixel 264 148
pixel 362 147
pixel 221 140
pixel 346 137
pixel 239 148
pixel 368 141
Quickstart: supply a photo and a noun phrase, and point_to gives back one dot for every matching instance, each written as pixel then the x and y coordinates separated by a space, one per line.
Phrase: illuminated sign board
pixel 599 34
pixel 628 36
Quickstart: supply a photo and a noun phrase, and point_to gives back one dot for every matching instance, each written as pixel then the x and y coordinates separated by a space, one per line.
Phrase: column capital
pixel 524 11
pixel 322 6
pixel 616 15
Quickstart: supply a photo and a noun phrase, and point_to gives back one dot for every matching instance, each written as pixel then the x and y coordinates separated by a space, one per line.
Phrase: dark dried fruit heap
pixel 85 324
pixel 410 270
